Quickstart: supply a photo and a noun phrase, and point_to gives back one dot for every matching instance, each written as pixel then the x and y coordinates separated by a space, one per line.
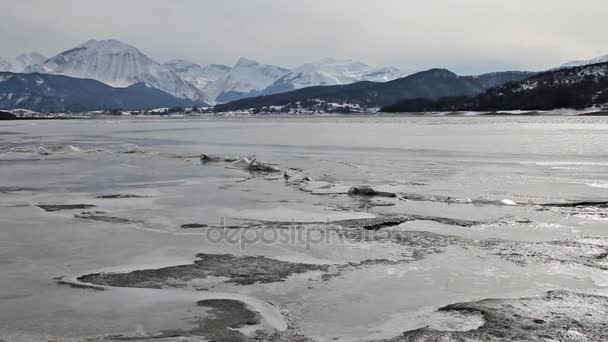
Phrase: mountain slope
pixel 26 60
pixel 119 65
pixel 331 71
pixel 55 93
pixel 247 78
pixel 21 62
pixel 577 87
pixel 596 60
pixel 431 84
pixel 5 65
pixel 197 75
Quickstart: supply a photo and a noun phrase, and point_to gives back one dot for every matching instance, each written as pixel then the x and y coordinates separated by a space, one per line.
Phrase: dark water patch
pixel 603 113
pixel 390 221
pixel 62 207
pixel 448 221
pixel 239 270
pixel 100 216
pixel 220 322
pixel 376 224
pixel 120 196
pixel 208 158
pixel 556 316
pixel 581 204
pixel 156 184
pixel 367 191
pixel 193 225
pixel 187 156
pixel 11 189
pixel 50 160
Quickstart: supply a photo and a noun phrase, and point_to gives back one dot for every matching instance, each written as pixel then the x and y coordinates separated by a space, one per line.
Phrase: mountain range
pixel 249 78
pixel 576 87
pixel 431 84
pixel 120 65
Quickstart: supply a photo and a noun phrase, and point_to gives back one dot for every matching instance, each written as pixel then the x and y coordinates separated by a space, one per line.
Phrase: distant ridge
pixel 430 84
pixel 596 60
pixel 576 87
pixel 56 93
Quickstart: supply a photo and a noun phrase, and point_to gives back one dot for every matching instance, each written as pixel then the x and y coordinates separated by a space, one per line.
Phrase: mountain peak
pixel 178 61
pixel 33 56
pixel 437 72
pixel 217 66
pixel 244 62
pixel 339 61
pixel 119 65
pixel 111 45
pixel 181 65
pixel 331 60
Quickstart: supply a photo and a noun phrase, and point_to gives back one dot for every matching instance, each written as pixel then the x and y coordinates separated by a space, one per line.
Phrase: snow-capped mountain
pixel 249 78
pixel 596 60
pixel 25 60
pixel 331 71
pixel 246 79
pixel 196 74
pixel 119 65
pixel 21 62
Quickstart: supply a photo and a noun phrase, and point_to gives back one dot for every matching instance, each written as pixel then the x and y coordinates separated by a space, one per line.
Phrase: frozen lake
pixel 534 189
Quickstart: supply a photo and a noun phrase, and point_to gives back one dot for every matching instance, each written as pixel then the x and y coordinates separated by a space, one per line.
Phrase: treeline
pixel 576 88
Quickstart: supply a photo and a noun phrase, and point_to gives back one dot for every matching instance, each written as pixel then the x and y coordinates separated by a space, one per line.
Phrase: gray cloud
pixel 468 36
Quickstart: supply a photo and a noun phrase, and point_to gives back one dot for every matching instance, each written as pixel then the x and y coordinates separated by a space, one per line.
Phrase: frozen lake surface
pixel 492 207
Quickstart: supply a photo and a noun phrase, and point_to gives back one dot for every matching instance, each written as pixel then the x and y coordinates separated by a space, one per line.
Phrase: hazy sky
pixel 467 36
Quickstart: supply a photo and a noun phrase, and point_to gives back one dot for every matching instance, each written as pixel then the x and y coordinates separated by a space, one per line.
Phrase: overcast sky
pixel 467 36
